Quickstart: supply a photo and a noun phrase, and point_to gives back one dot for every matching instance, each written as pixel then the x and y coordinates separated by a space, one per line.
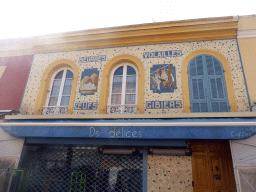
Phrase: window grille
pixel 81 168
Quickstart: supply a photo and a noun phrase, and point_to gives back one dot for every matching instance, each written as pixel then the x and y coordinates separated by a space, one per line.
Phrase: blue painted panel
pixel 145 171
pixel 133 132
pixel 107 142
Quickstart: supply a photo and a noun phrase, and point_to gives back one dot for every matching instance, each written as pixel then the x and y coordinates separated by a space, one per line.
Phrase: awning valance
pixel 207 128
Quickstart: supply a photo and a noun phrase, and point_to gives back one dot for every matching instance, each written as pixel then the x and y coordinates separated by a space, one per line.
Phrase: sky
pixel 28 18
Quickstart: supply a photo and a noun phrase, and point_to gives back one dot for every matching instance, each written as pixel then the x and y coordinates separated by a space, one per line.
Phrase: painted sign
pixel 92 59
pixel 14 72
pixel 163 104
pixel 89 81
pixel 116 132
pixel 86 106
pixel 163 78
pixel 162 54
pixel 128 130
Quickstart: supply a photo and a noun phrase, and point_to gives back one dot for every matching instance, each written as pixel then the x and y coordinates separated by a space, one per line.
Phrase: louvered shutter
pixel 207 85
pixel 197 86
pixel 218 94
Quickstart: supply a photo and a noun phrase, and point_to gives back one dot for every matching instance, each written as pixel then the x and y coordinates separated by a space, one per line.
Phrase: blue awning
pixel 214 128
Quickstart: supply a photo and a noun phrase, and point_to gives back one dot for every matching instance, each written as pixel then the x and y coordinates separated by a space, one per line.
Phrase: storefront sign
pixel 162 54
pixel 92 59
pixel 86 106
pixel 163 104
pixel 135 128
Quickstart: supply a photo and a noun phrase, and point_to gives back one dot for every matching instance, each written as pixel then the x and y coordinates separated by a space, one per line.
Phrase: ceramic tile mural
pixel 152 56
pixel 169 173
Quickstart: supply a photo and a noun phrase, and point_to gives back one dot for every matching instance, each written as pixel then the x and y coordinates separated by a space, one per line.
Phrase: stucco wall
pixel 247 46
pixel 169 173
pixel 228 48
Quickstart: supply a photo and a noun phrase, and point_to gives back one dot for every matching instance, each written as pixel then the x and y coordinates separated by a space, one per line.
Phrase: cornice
pixel 136 116
pixel 154 33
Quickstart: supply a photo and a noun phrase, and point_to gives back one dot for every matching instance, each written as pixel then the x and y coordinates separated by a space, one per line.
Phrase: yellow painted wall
pixel 227 48
pixel 247 22
pixel 247 46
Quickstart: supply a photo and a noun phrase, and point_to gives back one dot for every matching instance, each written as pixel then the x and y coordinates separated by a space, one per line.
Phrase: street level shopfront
pixel 129 154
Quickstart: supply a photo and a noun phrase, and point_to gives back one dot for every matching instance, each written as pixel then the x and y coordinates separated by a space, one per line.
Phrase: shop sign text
pixel 92 59
pixel 162 54
pixel 163 104
pixel 86 106
pixel 116 132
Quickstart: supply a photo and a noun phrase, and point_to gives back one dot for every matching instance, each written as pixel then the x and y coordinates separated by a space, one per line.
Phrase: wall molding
pixel 251 33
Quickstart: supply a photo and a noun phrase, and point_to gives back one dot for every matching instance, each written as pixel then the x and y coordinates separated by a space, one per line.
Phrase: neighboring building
pixel 147 107
pixel 14 72
pixel 244 151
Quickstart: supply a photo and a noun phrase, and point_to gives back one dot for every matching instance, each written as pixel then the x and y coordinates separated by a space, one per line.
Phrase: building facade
pixel 243 151
pixel 152 107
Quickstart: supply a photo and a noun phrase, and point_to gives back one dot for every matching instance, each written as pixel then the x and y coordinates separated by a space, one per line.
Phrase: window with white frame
pixel 123 91
pixel 59 92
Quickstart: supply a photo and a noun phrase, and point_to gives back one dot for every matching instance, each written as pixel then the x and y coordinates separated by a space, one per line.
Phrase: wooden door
pixel 212 166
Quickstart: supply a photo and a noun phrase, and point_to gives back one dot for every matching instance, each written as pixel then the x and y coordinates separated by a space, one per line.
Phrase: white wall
pixel 10 152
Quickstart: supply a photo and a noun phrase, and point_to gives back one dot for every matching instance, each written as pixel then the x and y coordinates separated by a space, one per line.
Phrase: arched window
pixel 123 90
pixel 207 85
pixel 58 97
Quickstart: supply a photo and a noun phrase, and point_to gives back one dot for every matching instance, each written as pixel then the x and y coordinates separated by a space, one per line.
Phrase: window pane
pixel 67 87
pixel 116 99
pixel 117 84
pixel 130 84
pixel 59 75
pixel 130 99
pixel 199 64
pixel 53 101
pixel 55 87
pixel 130 71
pixel 69 74
pixel 64 101
pixel 209 64
pixel 119 71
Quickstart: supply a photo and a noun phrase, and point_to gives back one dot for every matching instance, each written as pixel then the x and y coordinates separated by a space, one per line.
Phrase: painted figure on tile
pixel 162 78
pixel 89 81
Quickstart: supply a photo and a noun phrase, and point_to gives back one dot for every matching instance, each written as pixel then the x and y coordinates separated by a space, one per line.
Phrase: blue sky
pixel 28 18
